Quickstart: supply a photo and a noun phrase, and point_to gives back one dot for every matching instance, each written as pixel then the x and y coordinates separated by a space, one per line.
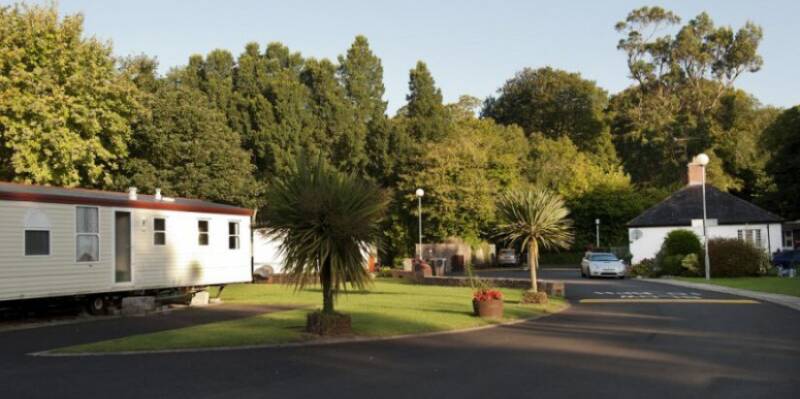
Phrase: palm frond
pixel 321 215
pixel 538 215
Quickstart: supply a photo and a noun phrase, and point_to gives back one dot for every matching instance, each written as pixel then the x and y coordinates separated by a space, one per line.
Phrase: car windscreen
pixel 604 258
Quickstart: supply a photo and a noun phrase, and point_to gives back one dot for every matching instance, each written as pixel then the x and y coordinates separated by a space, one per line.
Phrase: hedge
pixel 731 257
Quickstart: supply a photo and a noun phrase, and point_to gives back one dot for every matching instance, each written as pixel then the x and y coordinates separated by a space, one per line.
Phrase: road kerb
pixel 788 301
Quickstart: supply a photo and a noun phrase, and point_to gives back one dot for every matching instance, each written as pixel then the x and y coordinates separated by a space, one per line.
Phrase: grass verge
pixel 387 308
pixel 774 285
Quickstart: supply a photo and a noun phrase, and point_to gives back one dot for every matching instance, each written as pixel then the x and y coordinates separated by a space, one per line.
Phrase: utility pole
pixel 597 233
pixel 420 193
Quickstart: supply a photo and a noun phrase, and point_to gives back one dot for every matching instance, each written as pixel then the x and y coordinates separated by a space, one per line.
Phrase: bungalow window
pixel 788 239
pixel 87 237
pixel 37 242
pixel 753 236
pixel 159 231
pixel 202 233
pixel 233 235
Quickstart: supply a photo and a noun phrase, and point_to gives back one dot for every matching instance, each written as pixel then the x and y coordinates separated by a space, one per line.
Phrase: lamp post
pixel 597 233
pixel 420 193
pixel 702 160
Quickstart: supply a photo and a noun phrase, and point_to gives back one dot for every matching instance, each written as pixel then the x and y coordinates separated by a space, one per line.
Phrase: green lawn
pixel 389 307
pixel 775 285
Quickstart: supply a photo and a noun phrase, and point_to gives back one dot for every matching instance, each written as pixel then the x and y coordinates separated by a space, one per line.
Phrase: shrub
pixel 679 254
pixel 691 264
pixel 385 272
pixel 682 242
pixel 645 268
pixel 731 257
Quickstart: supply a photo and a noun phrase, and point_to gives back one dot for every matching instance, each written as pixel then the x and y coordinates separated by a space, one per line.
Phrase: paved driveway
pixel 624 349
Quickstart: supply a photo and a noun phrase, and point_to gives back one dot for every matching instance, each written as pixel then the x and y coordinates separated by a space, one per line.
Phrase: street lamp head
pixel 702 159
pixel 597 221
pixel 420 192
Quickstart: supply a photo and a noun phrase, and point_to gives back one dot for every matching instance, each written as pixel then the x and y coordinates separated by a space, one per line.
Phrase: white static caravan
pixel 58 242
pixel 268 259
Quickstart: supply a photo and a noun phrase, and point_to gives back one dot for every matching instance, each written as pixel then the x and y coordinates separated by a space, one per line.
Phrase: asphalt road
pixel 630 349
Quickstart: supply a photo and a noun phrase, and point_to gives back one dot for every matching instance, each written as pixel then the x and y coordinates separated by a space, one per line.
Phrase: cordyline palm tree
pixel 326 222
pixel 534 218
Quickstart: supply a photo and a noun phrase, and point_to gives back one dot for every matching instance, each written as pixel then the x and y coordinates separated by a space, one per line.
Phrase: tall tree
pixel 64 107
pixel 462 175
pixel 782 137
pixel 554 103
pixel 339 133
pixel 187 149
pixel 428 119
pixel 681 80
pixel 361 72
pixel 559 165
pixel 252 115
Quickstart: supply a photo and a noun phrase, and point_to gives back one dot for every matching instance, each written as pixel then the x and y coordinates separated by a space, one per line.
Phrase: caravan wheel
pixel 97 305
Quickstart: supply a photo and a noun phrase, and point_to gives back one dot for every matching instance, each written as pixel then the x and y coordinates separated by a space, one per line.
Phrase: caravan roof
pixel 58 195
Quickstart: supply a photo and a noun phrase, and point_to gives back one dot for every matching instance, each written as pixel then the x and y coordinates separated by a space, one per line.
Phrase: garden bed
pixel 388 308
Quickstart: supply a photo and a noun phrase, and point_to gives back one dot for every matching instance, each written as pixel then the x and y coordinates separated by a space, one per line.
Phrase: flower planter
pixel 488 309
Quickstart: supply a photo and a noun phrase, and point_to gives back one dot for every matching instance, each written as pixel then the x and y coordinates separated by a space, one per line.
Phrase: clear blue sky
pixel 471 46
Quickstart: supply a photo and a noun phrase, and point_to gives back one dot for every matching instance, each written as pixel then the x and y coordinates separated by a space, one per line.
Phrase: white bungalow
pixel 72 242
pixel 728 217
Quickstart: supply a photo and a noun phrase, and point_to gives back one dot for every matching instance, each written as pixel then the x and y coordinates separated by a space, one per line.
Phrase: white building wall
pixel 181 262
pixel 648 245
pixel 266 252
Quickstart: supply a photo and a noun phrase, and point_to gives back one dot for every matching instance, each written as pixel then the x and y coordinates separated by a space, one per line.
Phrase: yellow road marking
pixel 654 300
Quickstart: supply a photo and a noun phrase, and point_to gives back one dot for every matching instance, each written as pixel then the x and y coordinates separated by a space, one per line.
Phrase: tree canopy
pixel 227 125
pixel 552 102
pixel 65 110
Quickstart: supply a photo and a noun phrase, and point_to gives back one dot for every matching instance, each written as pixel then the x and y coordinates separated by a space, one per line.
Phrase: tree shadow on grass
pixel 382 324
pixel 352 292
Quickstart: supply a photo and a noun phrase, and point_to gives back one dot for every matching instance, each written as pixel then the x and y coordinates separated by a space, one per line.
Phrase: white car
pixel 602 264
pixel 506 257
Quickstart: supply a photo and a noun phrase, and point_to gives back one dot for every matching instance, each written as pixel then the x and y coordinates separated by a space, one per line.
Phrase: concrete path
pixel 789 301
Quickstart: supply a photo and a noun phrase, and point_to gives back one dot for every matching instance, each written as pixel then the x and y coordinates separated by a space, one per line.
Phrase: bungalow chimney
pixel 695 172
pixel 158 194
pixel 132 194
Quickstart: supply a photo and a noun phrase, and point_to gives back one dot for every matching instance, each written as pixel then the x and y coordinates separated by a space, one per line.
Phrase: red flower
pixel 485 295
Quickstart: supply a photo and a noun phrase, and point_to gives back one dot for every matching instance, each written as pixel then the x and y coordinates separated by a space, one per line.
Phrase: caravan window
pixel 87 234
pixel 37 233
pixel 233 235
pixel 159 231
pixel 37 242
pixel 202 232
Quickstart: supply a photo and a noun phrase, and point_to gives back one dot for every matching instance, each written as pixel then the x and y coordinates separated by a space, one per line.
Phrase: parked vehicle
pixel 602 264
pixel 507 257
pixel 99 246
pixel 787 260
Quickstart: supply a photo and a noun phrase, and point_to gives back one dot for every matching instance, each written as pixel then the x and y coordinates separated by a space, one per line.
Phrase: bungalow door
pixel 122 247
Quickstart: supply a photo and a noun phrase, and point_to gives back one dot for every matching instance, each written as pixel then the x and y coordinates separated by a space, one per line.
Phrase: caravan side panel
pixel 180 262
pixel 58 273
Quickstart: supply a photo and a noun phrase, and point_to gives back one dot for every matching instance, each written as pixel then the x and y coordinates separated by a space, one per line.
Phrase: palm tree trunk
pixel 327 287
pixel 533 263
